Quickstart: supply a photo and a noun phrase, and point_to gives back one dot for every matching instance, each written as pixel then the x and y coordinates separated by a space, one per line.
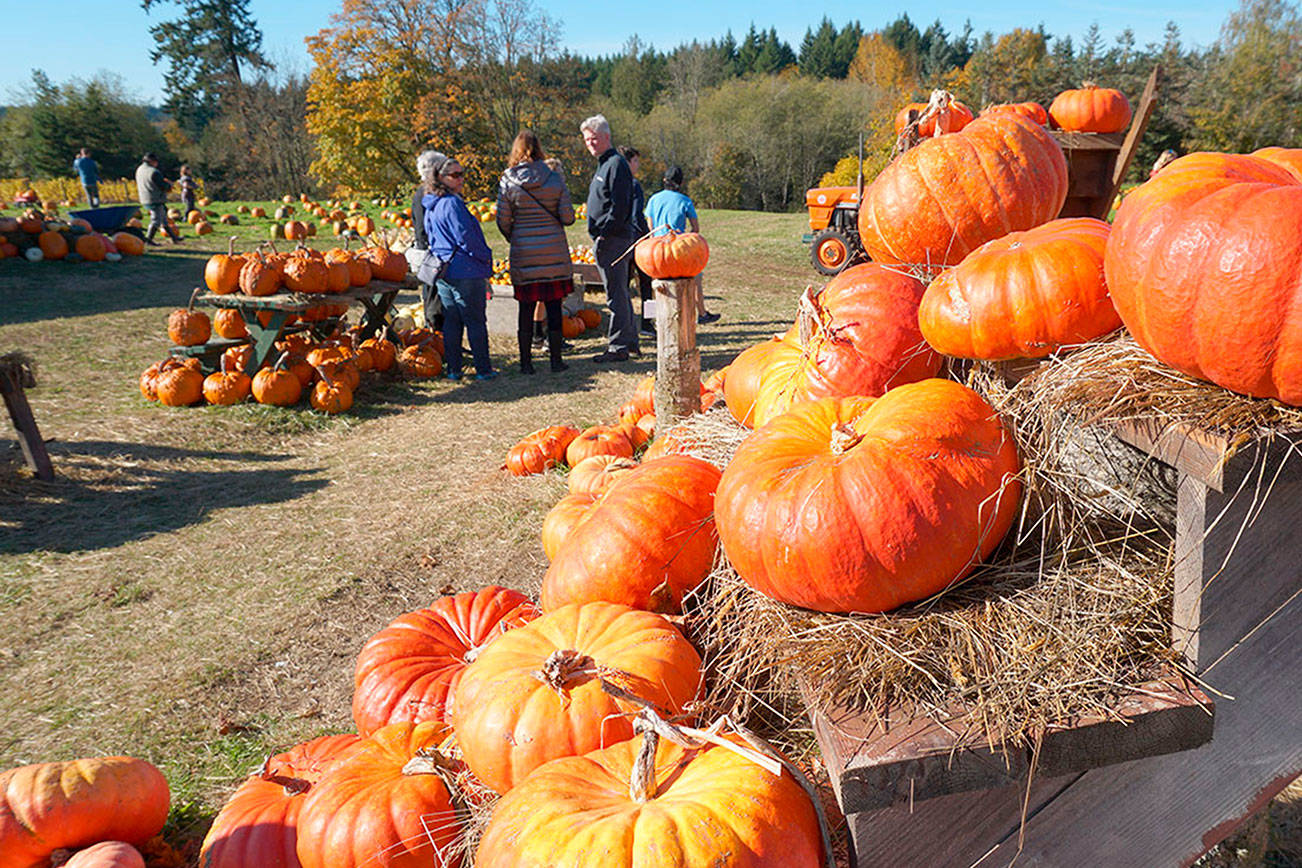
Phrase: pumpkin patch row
pixel 36 237
pixel 268 271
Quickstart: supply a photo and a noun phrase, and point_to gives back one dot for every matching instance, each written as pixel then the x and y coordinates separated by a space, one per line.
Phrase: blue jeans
pixel 464 308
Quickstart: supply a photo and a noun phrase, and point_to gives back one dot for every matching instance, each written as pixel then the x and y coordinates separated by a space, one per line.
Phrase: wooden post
pixel 678 362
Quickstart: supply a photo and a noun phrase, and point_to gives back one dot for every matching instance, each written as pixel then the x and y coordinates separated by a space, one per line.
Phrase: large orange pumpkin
pixel 1091 109
pixel 936 203
pixel 91 248
pixel 258 825
pixel 639 803
pixel 859 335
pixel 533 695
pixel 227 386
pixel 566 515
pixel 50 806
pixel 646 542
pixel 862 505
pixel 385 806
pixel 179 383
pixel 673 255
pixel 1205 267
pixel 1025 295
pixel 129 244
pixel 258 276
pixel 409 670
pixel 229 323
pixel 53 245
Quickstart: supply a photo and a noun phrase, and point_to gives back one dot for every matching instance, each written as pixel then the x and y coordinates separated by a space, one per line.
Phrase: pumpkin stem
pixel 844 438
pixel 807 314
pixel 428 761
pixel 230 247
pixel 561 666
pixel 193 296
pixel 292 786
pixel 642 778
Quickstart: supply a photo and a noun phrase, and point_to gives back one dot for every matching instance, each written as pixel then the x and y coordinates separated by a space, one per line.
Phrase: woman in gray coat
pixel 533 209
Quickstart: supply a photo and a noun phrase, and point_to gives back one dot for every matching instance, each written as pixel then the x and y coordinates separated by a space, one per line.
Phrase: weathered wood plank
pixel 1147 102
pixel 678 361
pixel 29 436
pixel 878 761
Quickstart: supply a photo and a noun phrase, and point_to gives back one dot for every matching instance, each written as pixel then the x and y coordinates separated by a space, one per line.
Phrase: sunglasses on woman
pixel 454 174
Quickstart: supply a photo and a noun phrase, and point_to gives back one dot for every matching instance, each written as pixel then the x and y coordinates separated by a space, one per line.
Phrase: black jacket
pixel 610 197
pixel 421 240
pixel 640 226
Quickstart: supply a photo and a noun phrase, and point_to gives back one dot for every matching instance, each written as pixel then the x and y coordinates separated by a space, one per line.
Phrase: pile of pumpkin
pixel 37 237
pixel 583 253
pixel 267 271
pixel 1087 109
pixel 328 371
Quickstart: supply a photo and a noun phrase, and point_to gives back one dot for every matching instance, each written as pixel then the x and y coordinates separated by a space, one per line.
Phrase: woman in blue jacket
pixel 456 238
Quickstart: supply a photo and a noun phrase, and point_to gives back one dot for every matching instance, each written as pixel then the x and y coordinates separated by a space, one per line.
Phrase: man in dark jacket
pixel 610 224
pixel 152 189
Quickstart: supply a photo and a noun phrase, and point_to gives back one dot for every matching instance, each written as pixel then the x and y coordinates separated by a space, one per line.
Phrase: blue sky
pixel 70 38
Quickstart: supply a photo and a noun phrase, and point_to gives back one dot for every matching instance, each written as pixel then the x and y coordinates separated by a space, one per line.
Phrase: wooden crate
pixel 934 798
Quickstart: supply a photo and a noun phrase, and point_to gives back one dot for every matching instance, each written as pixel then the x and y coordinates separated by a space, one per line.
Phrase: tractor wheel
pixel 830 251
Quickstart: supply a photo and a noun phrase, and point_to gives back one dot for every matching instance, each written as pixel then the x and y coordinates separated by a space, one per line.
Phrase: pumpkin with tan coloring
pixel 50 806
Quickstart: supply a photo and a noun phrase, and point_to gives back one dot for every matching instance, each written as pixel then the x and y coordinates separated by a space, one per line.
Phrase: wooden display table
pixel 922 795
pixel 376 299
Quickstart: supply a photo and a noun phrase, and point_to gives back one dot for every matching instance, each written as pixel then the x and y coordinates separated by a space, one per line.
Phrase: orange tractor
pixel 833 236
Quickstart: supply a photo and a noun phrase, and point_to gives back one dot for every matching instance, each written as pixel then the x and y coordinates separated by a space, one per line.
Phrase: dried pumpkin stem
pixel 561 666
pixel 844 438
pixel 642 778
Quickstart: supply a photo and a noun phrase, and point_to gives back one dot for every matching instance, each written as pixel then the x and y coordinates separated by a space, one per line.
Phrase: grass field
pixel 194 586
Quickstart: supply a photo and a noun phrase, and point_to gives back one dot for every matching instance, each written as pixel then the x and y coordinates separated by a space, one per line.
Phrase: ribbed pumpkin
pixel 385 806
pixel 673 255
pixel 532 695
pixel 1091 109
pixel 409 671
pixel 383 353
pixel 1289 158
pixel 860 337
pixel 385 264
pixel 258 825
pixel 591 317
pixel 229 323
pixel 107 854
pixel 1025 295
pixel 539 451
pixel 642 803
pixel 276 385
pixel 571 327
pixel 598 440
pixel 179 384
pixel 50 806
pixel 305 273
pixel 595 474
pixel 222 273
pixel 227 386
pixel 1205 267
pixel 646 542
pixel 745 373
pixel 936 203
pixel 258 276
pixel 420 361
pixel 862 505
pixel 1031 110
pixel 562 518
pixel 187 327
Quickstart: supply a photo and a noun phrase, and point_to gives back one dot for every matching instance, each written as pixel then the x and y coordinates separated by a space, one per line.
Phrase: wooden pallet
pixel 1110 801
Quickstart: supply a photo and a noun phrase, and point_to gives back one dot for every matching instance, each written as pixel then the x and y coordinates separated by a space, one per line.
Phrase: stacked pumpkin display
pixel 37 237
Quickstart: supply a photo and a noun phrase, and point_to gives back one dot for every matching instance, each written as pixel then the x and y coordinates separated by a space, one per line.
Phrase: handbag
pixel 425 264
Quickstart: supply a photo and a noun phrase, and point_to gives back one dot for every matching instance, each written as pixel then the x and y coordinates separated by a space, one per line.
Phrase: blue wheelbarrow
pixel 109 218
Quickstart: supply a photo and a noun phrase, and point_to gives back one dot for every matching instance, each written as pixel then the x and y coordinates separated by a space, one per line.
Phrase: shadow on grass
pixel 107 493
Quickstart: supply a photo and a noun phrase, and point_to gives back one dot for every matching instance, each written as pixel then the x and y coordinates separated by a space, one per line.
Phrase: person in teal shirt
pixel 672 209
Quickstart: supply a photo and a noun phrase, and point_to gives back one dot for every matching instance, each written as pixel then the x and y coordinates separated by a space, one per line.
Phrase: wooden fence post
pixel 678 362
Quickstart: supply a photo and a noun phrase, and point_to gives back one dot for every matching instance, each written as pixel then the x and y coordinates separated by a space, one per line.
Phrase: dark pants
pixel 158 220
pixel 92 194
pixel 644 290
pixel 524 332
pixel 431 306
pixel 614 274
pixel 464 309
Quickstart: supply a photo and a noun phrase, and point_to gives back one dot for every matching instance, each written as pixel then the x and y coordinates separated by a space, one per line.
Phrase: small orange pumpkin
pixel 188 327
pixel 276 385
